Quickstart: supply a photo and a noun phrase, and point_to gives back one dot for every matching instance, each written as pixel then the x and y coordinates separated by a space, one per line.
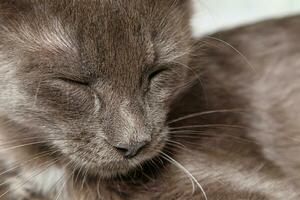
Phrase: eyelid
pixel 153 73
pixel 74 81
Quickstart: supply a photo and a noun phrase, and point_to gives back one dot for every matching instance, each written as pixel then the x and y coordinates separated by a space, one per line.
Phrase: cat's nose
pixel 130 150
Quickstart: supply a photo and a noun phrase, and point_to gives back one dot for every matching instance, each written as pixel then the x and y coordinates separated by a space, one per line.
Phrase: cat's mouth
pixel 112 164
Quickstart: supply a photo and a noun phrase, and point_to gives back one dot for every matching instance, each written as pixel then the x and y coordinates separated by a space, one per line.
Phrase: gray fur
pixel 74 83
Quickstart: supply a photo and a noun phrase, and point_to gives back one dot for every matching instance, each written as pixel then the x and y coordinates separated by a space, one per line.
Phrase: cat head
pixel 94 78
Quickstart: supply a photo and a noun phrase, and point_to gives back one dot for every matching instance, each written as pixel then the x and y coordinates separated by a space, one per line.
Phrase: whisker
pixel 175 143
pixel 27 180
pixel 197 76
pixel 204 113
pixel 85 174
pixel 22 145
pixel 197 134
pixel 236 50
pixel 210 126
pixel 65 182
pixel 183 131
pixel 78 173
pixel 176 146
pixel 36 93
pixel 194 180
pixel 32 138
pixel 157 168
pixel 32 143
pixel 40 155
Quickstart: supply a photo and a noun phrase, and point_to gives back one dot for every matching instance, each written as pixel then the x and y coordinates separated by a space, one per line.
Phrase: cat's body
pixel 226 147
pixel 266 72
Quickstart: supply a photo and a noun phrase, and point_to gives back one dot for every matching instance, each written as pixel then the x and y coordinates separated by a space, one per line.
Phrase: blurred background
pixel 213 15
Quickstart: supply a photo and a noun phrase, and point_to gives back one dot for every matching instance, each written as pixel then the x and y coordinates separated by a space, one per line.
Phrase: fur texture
pixel 79 78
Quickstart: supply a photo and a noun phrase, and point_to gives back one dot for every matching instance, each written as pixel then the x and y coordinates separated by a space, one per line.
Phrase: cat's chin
pixel 114 169
pixel 119 167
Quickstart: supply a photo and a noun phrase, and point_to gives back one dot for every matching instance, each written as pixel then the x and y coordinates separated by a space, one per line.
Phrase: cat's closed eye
pixel 154 74
pixel 74 81
pixel 152 77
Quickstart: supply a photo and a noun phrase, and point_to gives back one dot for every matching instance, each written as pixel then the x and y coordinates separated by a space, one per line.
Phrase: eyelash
pixel 73 81
pixel 155 73
pixel 151 76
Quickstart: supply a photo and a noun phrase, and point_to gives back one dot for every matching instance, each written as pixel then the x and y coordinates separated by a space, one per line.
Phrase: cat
pixel 97 102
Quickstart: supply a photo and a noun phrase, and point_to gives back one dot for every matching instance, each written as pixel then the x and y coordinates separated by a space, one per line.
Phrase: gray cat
pixel 114 100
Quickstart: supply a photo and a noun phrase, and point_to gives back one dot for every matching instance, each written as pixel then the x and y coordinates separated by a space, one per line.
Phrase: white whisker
pixel 193 179
pixel 210 126
pixel 32 176
pixel 235 49
pixel 205 113
pixel 65 182
pixel 40 155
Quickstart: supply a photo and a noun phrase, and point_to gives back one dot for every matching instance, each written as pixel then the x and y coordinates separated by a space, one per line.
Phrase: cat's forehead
pixel 104 46
pixel 125 28
pixel 102 33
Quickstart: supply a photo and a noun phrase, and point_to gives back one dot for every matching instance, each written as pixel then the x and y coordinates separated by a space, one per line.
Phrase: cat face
pixel 94 78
